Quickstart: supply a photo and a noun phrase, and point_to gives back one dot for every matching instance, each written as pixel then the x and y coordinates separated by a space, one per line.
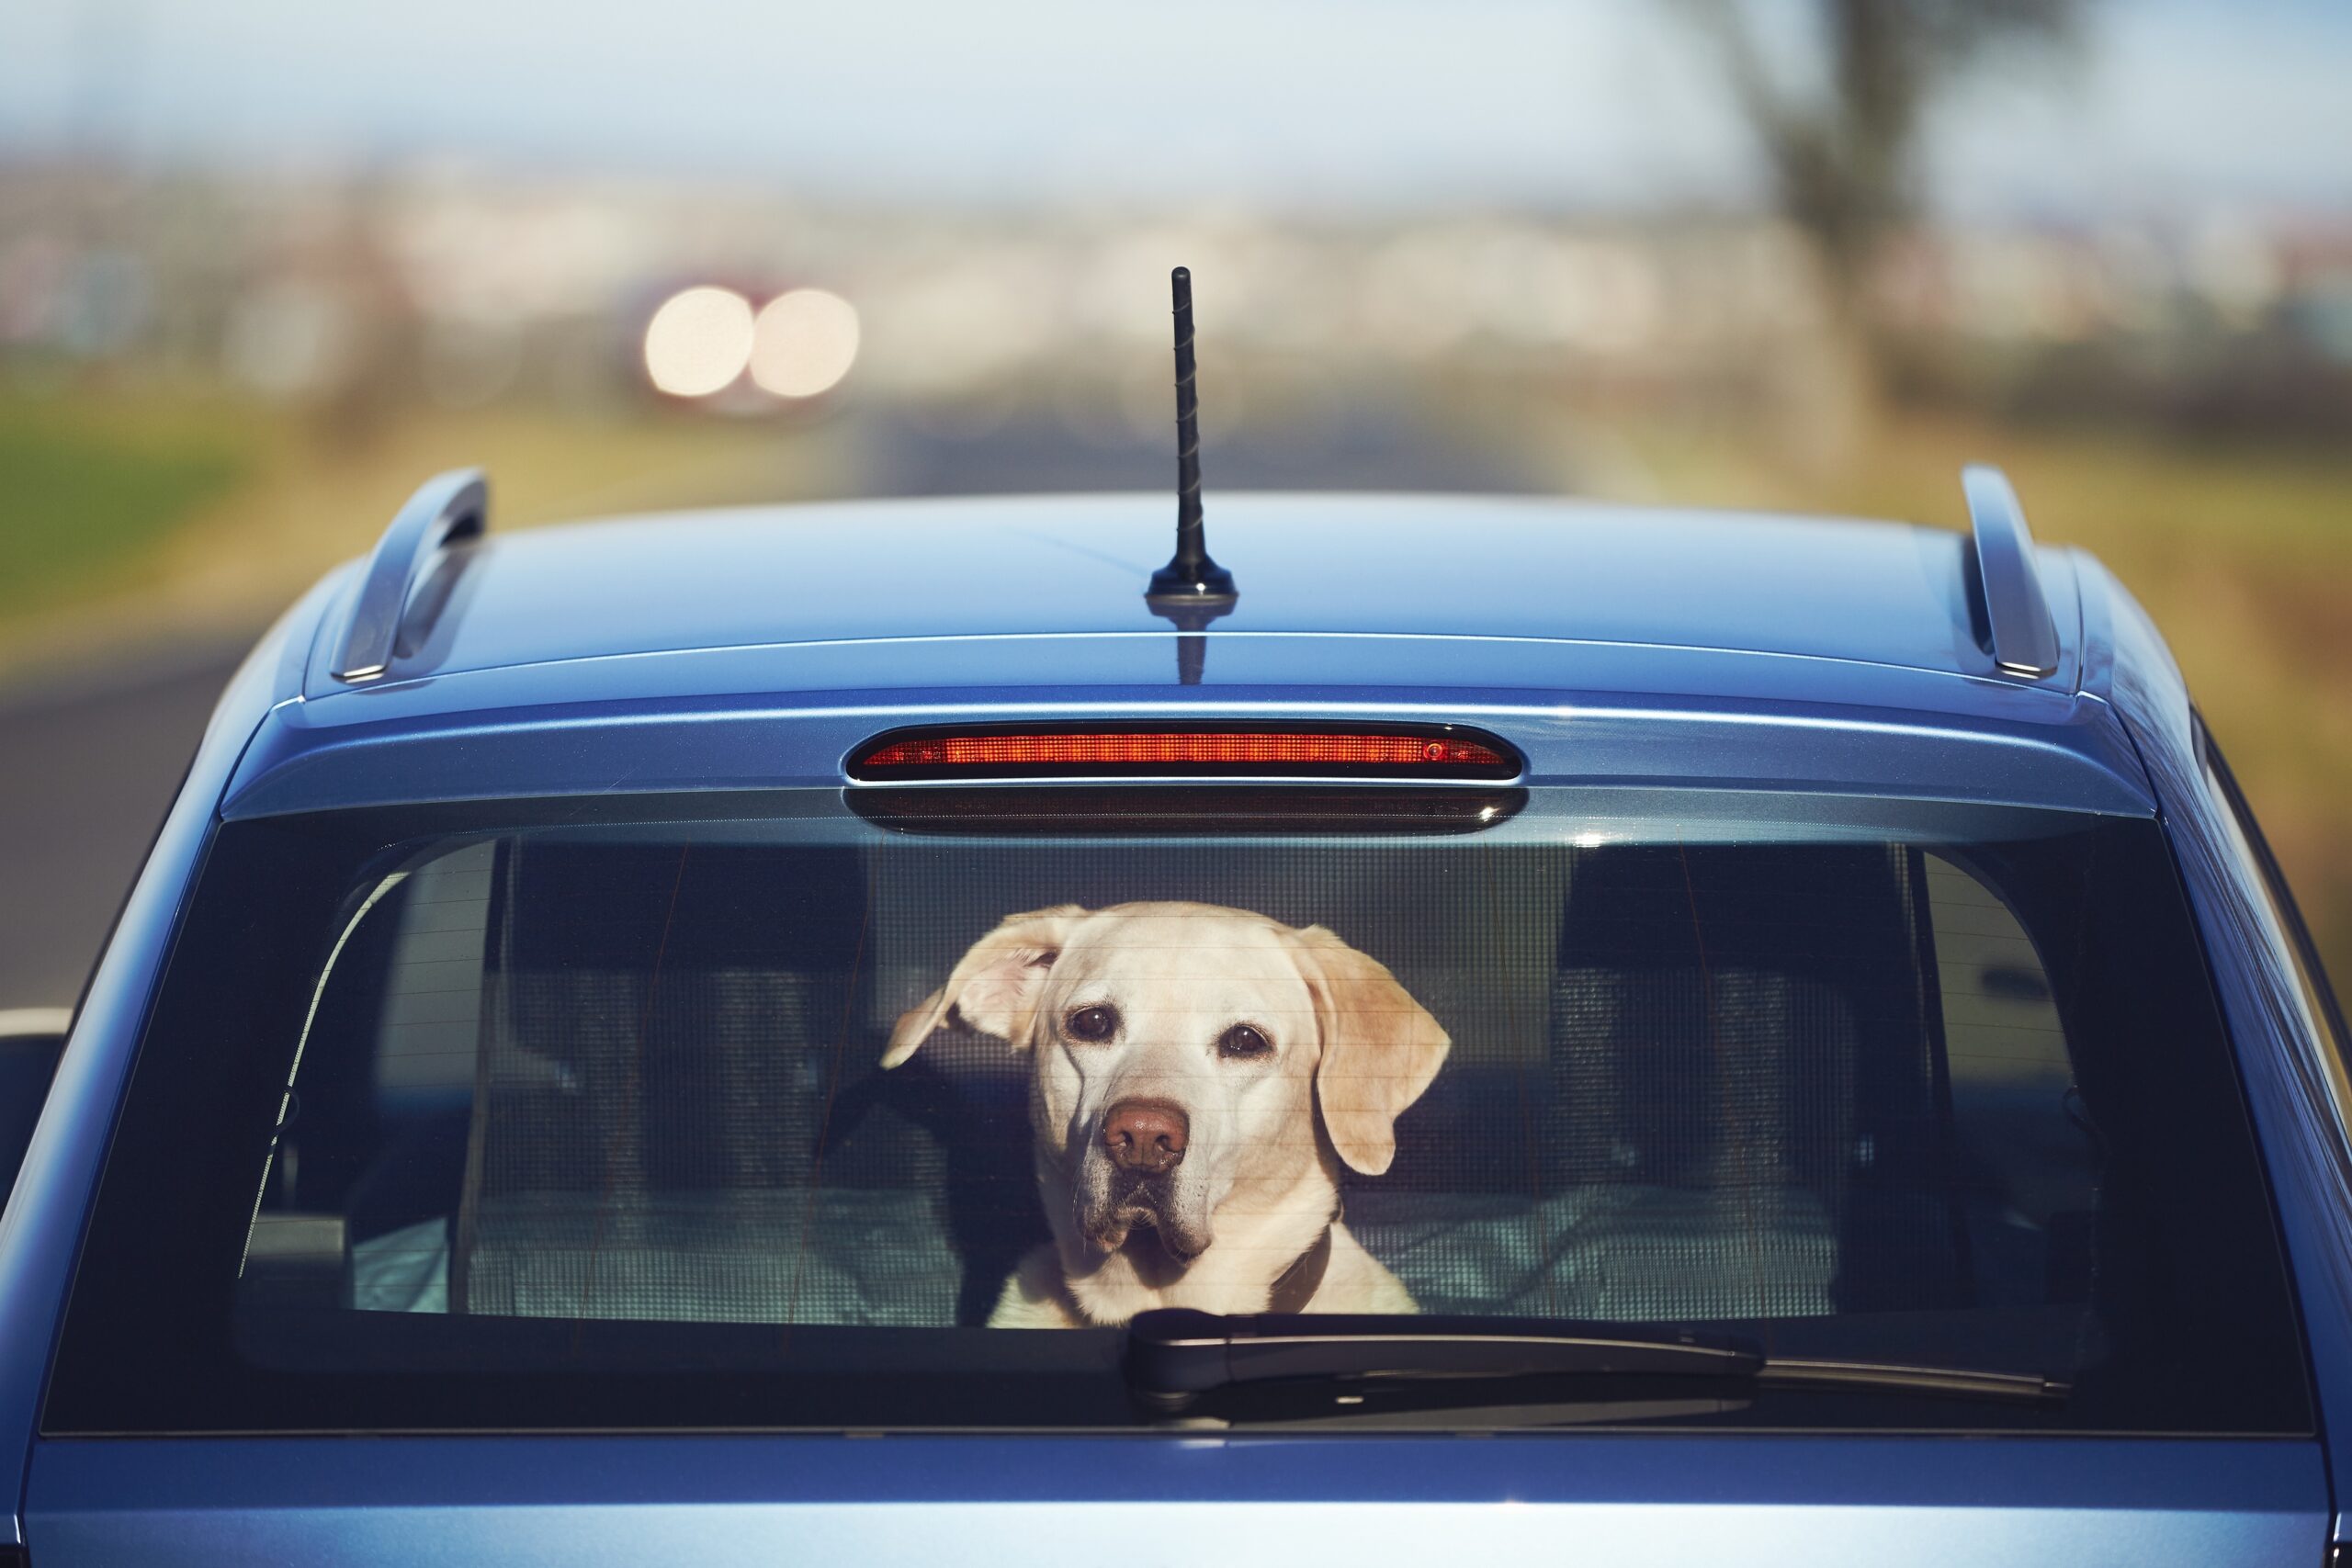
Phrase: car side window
pixel 2322 1016
pixel 2016 1109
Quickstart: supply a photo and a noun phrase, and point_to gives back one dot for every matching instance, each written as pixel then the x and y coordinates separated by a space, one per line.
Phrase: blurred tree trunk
pixel 1840 141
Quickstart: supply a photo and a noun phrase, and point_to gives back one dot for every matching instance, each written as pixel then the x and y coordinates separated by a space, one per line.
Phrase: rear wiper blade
pixel 1175 1355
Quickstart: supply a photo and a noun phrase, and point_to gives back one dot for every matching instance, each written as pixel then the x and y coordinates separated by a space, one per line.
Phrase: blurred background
pixel 264 264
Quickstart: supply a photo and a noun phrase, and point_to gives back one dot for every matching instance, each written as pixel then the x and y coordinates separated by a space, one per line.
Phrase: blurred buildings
pixel 458 290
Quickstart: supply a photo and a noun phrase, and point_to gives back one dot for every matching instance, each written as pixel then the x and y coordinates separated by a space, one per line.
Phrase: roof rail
pixel 445 508
pixel 2025 639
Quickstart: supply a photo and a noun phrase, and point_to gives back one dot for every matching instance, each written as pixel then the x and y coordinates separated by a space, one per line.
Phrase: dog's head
pixel 1183 1053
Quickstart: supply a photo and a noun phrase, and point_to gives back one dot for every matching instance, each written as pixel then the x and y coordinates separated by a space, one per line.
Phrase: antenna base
pixel 1177 585
pixel 1188 599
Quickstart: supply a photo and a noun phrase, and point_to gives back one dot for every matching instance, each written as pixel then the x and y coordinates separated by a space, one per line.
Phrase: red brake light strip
pixel 1185 748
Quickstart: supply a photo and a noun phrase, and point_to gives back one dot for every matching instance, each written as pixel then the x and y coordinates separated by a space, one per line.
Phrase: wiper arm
pixel 1175 1355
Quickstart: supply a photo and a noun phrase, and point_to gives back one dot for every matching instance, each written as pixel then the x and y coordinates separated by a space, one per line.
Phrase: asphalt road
pixel 85 776
pixel 1364 449
pixel 89 762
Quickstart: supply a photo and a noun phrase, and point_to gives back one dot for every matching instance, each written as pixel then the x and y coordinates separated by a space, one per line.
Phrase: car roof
pixel 1306 565
pixel 758 648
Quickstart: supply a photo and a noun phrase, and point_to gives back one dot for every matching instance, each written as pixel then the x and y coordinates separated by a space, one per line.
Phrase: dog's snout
pixel 1147 1135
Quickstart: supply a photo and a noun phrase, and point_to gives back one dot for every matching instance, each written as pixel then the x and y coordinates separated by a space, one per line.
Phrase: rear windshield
pixel 799 1111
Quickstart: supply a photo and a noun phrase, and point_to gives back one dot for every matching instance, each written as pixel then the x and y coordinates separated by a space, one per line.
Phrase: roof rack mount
pixel 2016 611
pixel 445 509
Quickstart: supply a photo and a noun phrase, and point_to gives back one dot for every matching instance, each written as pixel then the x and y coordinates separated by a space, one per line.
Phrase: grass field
pixel 90 496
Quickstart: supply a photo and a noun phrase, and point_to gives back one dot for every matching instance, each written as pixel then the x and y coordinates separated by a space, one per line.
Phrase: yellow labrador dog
pixel 1181 1053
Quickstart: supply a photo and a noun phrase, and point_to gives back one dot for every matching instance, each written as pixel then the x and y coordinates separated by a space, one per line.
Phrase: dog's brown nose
pixel 1146 1135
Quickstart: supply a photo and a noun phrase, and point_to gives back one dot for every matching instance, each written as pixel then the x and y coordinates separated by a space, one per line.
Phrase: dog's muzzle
pixel 1142 1145
pixel 1133 1198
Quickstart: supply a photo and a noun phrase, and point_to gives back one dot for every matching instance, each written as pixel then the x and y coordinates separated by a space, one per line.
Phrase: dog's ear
pixel 995 985
pixel 1381 1048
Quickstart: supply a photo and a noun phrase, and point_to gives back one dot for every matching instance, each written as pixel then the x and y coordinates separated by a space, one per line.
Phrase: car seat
pixel 671 1123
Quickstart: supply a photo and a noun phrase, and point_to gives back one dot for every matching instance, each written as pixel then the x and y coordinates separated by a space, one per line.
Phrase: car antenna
pixel 1192 590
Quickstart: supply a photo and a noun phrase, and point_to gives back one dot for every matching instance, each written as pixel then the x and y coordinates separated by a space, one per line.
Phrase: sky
pixel 2168 107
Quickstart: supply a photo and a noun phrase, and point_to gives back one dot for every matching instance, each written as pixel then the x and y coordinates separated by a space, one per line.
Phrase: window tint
pixel 539 1122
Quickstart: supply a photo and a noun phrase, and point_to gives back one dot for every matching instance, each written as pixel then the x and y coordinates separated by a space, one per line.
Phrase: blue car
pixel 895 1033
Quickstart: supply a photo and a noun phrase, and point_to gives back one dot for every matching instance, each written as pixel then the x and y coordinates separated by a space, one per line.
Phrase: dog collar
pixel 1297 1284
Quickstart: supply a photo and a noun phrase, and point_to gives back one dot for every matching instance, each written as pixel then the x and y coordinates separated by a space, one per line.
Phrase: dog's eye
pixel 1091 1023
pixel 1242 1041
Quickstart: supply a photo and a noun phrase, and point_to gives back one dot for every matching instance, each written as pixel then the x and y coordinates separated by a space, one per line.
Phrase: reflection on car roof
pixel 1390 566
